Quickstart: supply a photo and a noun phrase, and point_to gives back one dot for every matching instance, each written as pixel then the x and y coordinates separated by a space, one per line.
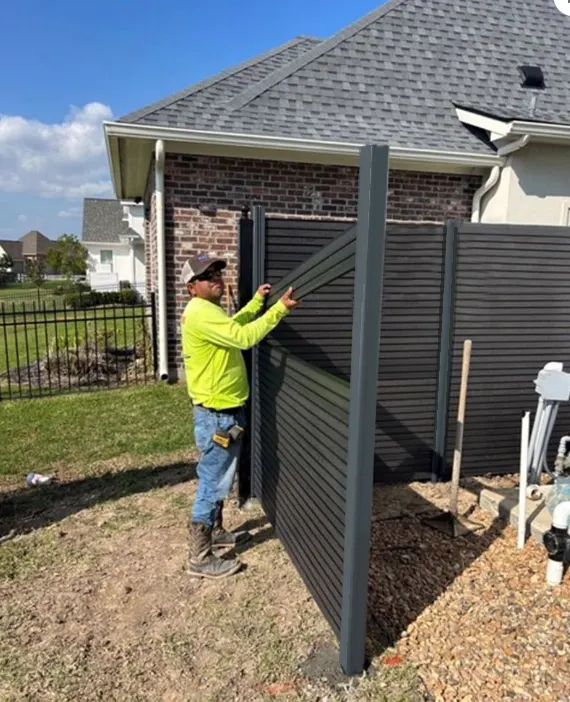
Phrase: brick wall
pixel 193 183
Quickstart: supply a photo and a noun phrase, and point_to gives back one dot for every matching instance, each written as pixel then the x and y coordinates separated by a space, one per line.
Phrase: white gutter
pixel 482 191
pixel 499 129
pixel 160 251
pixel 292 144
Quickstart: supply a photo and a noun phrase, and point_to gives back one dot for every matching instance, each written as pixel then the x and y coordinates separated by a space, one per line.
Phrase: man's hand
pixel 264 290
pixel 288 300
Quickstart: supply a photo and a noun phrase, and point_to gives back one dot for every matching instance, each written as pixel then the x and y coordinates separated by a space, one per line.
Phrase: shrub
pixel 93 298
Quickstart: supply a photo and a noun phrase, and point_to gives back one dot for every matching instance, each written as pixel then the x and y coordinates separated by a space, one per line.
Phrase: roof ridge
pixel 280 74
pixel 208 82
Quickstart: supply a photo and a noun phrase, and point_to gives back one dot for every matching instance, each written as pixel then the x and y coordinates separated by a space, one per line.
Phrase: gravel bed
pixel 473 613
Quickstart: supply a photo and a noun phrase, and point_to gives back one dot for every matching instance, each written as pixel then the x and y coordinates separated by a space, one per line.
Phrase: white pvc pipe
pixel 560 521
pixel 525 428
pixel 160 255
pixel 562 446
pixel 561 515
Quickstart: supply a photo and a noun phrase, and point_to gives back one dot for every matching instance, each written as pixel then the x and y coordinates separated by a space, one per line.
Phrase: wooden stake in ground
pixel 449 522
pixel 457 454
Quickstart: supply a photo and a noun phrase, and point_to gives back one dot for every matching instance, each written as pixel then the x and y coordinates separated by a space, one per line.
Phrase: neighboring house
pixel 13 249
pixel 112 234
pixel 32 246
pixel 473 100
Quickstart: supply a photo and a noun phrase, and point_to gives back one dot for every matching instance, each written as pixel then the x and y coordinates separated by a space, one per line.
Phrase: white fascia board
pixel 307 146
pixel 114 161
pixel 494 126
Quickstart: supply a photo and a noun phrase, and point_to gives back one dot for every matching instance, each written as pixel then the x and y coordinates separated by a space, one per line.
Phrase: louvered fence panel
pixel 512 295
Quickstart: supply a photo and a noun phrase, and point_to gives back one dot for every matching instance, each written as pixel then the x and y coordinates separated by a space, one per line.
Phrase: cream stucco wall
pixel 534 188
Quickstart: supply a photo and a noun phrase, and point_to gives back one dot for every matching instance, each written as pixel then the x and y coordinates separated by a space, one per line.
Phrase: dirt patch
pixel 95 603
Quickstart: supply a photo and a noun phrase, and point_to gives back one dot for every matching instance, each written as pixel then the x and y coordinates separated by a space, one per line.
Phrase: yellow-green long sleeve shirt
pixel 212 344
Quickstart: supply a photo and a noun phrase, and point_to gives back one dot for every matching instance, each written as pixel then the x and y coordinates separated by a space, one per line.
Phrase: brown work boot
pixel 203 563
pixel 226 539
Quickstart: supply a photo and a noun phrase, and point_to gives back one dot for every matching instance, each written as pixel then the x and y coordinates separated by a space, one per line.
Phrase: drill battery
pixel 225 438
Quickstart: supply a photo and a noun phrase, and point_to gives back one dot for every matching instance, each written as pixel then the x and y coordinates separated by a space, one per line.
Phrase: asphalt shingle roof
pixel 396 75
pixel 103 220
pixel 35 243
pixel 179 110
pixel 12 248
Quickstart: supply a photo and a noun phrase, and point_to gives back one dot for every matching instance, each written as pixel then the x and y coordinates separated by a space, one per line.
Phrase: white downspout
pixel 560 527
pixel 133 264
pixel 483 190
pixel 160 255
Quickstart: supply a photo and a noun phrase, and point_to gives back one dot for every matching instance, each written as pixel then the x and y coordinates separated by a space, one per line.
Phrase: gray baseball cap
pixel 198 264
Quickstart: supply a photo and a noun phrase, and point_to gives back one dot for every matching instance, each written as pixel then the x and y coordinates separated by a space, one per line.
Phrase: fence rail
pixel 49 348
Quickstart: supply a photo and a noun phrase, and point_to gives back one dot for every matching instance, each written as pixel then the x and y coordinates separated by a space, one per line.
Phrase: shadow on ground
pixel 27 509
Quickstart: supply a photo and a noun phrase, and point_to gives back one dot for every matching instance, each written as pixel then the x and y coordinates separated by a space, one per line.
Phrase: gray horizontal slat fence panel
pixel 409 352
pixel 312 447
pixel 320 333
pixel 303 481
pixel 512 300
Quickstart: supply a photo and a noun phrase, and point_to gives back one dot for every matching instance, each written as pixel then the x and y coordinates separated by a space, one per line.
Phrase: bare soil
pixel 95 603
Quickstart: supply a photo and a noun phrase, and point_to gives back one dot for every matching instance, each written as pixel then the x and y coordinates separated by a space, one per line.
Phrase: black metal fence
pixel 62 291
pixel 49 348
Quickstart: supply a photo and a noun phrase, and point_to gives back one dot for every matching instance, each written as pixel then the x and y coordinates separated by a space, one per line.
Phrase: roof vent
pixel 532 76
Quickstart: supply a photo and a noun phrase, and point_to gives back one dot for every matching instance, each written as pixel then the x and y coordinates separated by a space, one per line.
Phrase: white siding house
pixel 113 236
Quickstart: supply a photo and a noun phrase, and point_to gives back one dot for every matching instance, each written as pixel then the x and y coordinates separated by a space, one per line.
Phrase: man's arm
pixel 250 311
pixel 222 330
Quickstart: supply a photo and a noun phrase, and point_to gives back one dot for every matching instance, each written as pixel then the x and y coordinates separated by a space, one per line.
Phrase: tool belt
pixel 225 438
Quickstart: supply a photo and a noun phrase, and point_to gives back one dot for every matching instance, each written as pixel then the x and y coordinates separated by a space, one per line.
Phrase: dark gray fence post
pixel 438 468
pixel 257 276
pixel 245 293
pixel 370 249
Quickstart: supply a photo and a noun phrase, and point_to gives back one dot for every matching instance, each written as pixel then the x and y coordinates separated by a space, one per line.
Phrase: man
pixel 216 376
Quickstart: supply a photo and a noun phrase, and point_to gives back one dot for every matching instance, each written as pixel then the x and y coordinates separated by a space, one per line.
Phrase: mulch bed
pixel 474 613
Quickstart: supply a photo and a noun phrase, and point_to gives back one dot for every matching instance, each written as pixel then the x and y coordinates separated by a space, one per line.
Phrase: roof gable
pixel 103 220
pixel 35 243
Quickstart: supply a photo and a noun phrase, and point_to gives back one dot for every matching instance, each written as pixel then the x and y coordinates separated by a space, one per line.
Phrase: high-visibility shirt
pixel 212 344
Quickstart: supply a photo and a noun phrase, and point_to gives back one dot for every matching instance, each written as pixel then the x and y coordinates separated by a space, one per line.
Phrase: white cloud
pixel 56 160
pixel 22 218
pixel 69 212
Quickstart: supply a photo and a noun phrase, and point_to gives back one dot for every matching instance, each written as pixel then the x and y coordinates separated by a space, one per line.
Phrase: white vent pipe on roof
pixel 160 255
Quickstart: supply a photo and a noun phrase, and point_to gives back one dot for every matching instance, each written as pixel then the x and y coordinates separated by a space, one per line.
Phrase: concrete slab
pixel 504 503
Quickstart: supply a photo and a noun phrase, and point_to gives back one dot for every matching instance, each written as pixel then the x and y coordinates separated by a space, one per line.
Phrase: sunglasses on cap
pixel 209 275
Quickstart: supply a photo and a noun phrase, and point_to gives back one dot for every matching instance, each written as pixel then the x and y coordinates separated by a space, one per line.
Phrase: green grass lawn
pixel 27 294
pixel 25 338
pixel 78 430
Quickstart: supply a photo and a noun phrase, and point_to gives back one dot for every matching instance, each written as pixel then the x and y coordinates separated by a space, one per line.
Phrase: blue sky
pixel 69 65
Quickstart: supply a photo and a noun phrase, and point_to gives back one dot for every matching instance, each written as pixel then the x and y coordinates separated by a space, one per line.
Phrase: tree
pixel 36 271
pixel 6 263
pixel 68 256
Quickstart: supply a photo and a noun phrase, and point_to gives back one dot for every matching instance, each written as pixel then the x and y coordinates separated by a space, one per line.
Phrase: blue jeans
pixel 217 467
